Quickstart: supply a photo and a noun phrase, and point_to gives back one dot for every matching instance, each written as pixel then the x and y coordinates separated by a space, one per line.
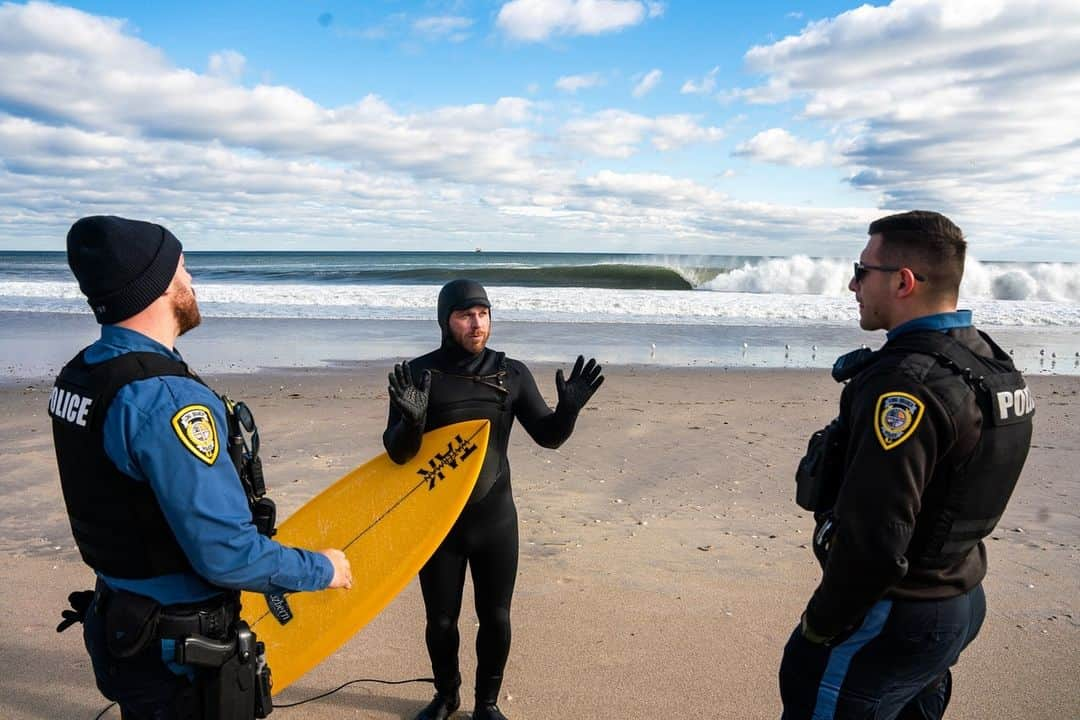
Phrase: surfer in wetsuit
pixel 465 380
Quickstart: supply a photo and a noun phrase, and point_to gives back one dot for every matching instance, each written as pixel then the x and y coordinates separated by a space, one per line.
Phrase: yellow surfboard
pixel 388 519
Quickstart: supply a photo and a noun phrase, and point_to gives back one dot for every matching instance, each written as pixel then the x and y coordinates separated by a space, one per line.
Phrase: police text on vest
pixel 69 406
pixel 1019 402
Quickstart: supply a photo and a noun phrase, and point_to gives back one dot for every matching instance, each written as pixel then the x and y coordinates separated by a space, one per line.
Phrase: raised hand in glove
pixel 409 398
pixel 585 379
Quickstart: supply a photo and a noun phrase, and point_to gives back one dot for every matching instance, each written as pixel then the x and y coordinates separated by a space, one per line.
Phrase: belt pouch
pixel 817 479
pixel 130 623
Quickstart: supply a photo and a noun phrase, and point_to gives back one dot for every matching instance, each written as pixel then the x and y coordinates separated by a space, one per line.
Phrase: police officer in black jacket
pixel 933 431
pixel 465 380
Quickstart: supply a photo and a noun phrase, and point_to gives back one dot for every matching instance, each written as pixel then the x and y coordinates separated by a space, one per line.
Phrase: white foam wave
pixel 571 305
pixel 799 274
pixel 1050 282
pixel 796 275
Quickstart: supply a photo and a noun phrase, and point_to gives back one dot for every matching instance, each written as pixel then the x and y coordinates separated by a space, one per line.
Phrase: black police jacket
pixel 116 521
pixel 489 386
pixel 938 427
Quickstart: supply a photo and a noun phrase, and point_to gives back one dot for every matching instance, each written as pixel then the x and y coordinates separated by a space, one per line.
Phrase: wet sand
pixel 663 560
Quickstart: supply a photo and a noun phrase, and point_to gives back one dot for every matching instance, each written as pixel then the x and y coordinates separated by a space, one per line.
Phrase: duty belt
pixel 181 621
pixel 214 623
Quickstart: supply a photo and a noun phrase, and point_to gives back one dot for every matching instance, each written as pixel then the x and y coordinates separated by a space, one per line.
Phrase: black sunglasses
pixel 861 269
pixel 247 421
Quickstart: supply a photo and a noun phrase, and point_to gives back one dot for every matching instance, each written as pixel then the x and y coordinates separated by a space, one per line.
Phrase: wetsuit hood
pixel 460 294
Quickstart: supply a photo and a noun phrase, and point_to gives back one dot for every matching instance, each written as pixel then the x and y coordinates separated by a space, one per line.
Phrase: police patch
pixel 194 425
pixel 897 416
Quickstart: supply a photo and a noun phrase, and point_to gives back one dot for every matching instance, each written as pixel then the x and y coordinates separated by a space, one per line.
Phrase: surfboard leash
pixel 328 693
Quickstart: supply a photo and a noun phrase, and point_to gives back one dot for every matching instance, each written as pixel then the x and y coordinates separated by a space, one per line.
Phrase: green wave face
pixel 506 269
pixel 604 275
pixel 614 276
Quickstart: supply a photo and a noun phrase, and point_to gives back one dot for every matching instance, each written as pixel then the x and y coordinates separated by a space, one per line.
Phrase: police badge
pixel 897 416
pixel 194 425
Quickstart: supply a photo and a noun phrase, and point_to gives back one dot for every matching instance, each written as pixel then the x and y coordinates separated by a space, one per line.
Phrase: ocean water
pixel 316 308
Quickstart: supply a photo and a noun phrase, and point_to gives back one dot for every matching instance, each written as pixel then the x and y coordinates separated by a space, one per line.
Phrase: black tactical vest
pixel 963 502
pixel 116 521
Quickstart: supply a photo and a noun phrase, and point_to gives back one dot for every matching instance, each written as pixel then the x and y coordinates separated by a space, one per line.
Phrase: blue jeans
pixel 894 666
pixel 142 685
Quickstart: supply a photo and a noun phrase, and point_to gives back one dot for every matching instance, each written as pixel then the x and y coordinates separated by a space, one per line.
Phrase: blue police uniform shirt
pixel 941 322
pixel 203 503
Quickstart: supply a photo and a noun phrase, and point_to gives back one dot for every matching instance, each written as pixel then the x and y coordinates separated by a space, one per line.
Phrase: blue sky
pixel 606 125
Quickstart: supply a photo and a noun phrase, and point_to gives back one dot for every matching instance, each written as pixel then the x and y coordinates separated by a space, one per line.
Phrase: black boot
pixel 487 695
pixel 487 711
pixel 441 706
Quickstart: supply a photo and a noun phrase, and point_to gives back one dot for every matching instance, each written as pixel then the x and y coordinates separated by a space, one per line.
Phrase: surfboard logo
pixel 194 425
pixel 456 450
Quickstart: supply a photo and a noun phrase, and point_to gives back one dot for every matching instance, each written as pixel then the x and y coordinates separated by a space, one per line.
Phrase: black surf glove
pixel 410 399
pixel 585 379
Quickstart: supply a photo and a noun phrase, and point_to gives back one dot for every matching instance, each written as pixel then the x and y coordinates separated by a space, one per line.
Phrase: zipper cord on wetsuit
pixel 482 379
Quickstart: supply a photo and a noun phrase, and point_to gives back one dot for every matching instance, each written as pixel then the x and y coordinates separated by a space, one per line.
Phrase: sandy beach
pixel 663 560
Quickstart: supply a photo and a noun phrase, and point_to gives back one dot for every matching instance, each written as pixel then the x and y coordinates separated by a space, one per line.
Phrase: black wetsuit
pixel 465 387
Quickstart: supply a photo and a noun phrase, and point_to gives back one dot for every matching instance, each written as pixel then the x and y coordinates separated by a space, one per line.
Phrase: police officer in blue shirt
pixel 916 470
pixel 156 504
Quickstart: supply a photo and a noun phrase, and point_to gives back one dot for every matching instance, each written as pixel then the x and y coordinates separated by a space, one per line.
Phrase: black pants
pixel 894 666
pixel 485 537
pixel 143 685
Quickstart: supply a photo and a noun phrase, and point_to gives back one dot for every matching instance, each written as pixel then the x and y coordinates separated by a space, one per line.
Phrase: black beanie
pixel 122 265
pixel 460 294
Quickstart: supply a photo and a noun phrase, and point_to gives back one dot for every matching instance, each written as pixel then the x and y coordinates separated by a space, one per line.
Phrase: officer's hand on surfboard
pixel 409 398
pixel 342 568
pixel 585 379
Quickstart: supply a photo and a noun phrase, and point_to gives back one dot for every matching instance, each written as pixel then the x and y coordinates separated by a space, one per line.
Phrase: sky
pixel 657 126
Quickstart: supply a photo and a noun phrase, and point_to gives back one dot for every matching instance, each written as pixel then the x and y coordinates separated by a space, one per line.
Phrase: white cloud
pixel 651 188
pixel 227 64
pixel 573 83
pixel 619 134
pixel 647 83
pixel 452 27
pixel 225 166
pixel 642 202
pixel 211 196
pixel 537 20
pixel 91 74
pixel 706 86
pixel 95 120
pixel 780 147
pixel 964 106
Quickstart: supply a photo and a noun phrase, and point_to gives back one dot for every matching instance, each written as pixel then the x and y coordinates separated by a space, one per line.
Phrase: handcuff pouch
pixel 817 479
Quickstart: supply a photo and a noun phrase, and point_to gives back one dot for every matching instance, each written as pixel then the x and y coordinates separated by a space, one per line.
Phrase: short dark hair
pixel 930 243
